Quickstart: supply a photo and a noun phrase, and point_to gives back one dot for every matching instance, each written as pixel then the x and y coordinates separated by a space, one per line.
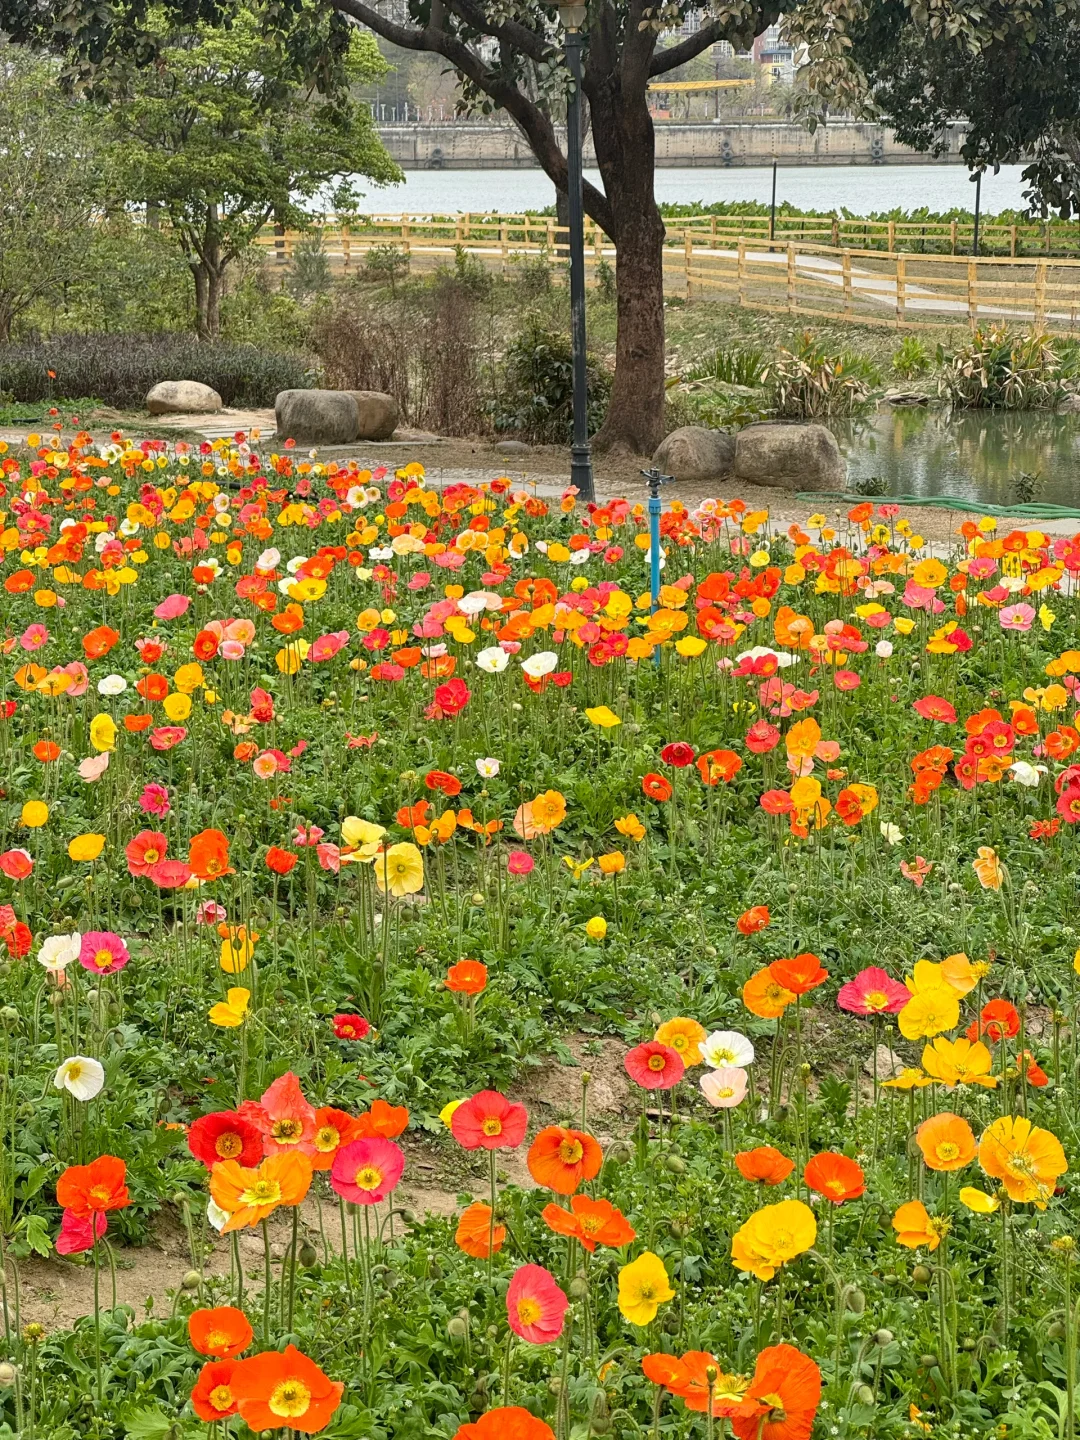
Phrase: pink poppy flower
pixel 762 737
pixel 165 737
pixel 365 1171
pixel 327 646
pixel 240 630
pixel 16 864
pixel 265 765
pixel 154 800
pixel 102 952
pixel 387 670
pixel 93 767
pixel 535 1305
pixel 520 862
pixel 933 707
pixel 489 1121
pixel 654 1066
pixel 1017 617
pixel 329 856
pixel 917 871
pixel 210 913
pixel 846 680
pixel 172 607
pixel 232 650
pixel 34 637
pixel 724 1088
pixel 873 992
pixel 170 874
pixel 76 1234
pixel 82 678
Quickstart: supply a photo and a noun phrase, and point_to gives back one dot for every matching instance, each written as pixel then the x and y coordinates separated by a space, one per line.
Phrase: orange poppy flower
pixel 94 1188
pixel 208 855
pixel 289 621
pixel 97 643
pixel 152 687
pixel 211 1396
pixel 593 1222
pixel 800 973
pixel 1026 1159
pixel 474 1232
pixel 560 1159
pixel 223 1332
pixel 275 1390
pixel 782 1399
pixel 764 1164
pixel 837 1177
pixel 717 765
pixel 382 1119
pixel 46 751
pixel 753 920
pixel 763 995
pixel 946 1141
pixel 696 1378
pixel 508 1422
pixel 467 977
pixel 656 787
pixel 135 724
pixel 333 1129
pixel 248 1196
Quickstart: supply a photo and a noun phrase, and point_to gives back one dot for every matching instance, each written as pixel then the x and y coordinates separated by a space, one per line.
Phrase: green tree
pixel 223 133
pixel 49 185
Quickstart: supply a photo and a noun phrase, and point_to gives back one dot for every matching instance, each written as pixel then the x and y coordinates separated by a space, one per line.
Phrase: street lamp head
pixel 572 16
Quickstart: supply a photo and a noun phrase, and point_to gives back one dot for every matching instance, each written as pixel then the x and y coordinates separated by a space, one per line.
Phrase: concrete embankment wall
pixel 501 147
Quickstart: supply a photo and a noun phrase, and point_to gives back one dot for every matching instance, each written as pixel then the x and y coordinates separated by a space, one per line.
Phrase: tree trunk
pixel 208 265
pixel 625 153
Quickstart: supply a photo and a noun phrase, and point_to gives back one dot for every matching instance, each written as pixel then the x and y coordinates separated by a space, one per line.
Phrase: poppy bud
pixel 854 1300
pixel 865 1395
pixel 670 1323
pixel 1055 1330
pixel 676 1164
pixel 927 1361
pixel 9 1015
pixel 456 1328
pixel 7 1375
pixel 555 1384
pixel 191 1281
pixel 920 1275
pixel 883 1338
pixel 308 1255
pixel 579 1287
pixel 968 1342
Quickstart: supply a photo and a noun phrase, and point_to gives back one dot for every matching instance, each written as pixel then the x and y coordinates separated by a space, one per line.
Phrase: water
pixel 860 188
pixel 971 454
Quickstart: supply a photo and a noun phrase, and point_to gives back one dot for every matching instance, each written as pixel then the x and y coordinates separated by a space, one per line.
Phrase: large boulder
pixel 696 453
pixel 317 417
pixel 790 457
pixel 182 397
pixel 377 413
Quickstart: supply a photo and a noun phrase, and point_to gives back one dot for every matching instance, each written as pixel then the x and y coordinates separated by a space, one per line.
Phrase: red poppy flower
pixel 764 1164
pixel 144 851
pixel 753 920
pixel 90 1189
pixel 799 973
pixel 489 1121
pixel 442 780
pixel 933 707
pixel 280 861
pixel 654 1066
pixel 678 754
pixel 225 1135
pixel 762 737
pixel 351 1027
pixel 211 1397
pixel 656 787
pixel 837 1177
pixel 873 992
pixel 998 1020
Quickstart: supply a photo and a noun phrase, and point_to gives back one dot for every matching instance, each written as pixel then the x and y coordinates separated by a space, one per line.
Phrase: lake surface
pixel 972 454
pixel 859 188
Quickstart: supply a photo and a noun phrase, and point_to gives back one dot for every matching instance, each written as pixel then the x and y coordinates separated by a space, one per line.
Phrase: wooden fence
pixel 896 289
pixel 1034 238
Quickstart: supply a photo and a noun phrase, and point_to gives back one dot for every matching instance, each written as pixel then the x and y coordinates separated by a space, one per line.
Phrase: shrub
pixel 733 365
pixel 119 370
pixel 911 358
pixel 385 264
pixel 537 387
pixel 809 383
pixel 998 369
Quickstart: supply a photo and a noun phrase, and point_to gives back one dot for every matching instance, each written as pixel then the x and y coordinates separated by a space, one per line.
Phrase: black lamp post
pixel 581 474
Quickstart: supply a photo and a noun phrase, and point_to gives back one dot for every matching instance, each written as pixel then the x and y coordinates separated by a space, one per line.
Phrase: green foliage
pixel 1000 369
pixel 386 264
pixel 535 399
pixel 731 365
pixel 809 382
pixel 121 374
pixel 911 358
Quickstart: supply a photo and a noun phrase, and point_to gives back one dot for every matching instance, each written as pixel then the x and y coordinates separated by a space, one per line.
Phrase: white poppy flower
pixel 58 951
pixel 80 1077
pixel 112 685
pixel 725 1048
pixel 1026 774
pixel 493 660
pixel 488 767
pixel 883 649
pixel 540 664
pixel 216 1215
pixel 891 834
pixel 724 1089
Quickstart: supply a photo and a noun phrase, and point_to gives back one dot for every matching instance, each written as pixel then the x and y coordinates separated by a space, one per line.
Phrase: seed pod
pixel 8 1375
pixel 927 1361
pixel 676 1164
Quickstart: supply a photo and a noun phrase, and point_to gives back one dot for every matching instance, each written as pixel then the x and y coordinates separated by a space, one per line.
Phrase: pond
pixel 971 454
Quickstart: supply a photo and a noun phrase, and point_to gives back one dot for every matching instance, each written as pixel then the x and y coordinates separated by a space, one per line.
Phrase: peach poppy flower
pixel 764 996
pixel 249 1196
pixel 946 1142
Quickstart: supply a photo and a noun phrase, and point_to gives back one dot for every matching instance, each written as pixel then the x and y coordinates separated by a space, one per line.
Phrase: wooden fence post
pixel 1040 294
pixel 972 293
pixel 346 253
pixel 688 258
pixel 847 282
pixel 742 270
pixel 901 288
pixel 790 276
pixel 836 233
pixel 1012 241
pixel 891 236
pixel 952 237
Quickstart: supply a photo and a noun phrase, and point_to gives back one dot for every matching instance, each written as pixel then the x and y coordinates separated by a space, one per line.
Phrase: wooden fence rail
pixel 1032 238
pixel 899 289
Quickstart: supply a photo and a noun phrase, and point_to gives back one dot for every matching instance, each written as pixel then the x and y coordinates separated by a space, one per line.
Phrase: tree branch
pixel 510 32
pixel 688 49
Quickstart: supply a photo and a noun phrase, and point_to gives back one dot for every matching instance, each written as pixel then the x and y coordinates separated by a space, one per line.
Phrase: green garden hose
pixel 948 502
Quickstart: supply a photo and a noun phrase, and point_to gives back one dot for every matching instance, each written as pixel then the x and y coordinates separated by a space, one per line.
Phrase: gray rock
pixel 377 413
pixel 789 457
pixel 889 1064
pixel 317 417
pixel 512 447
pixel 182 397
pixel 905 397
pixel 1069 405
pixel 696 453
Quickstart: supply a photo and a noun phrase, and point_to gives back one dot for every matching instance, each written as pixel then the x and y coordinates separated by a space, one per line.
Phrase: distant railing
pixel 915 237
pixel 896 289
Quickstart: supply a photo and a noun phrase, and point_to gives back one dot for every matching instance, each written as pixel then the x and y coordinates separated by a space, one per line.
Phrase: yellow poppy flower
pixel 643 1288
pixel 231 1012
